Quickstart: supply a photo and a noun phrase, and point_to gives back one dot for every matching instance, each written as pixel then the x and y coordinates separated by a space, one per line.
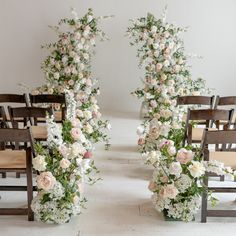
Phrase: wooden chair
pixel 23 117
pixel 29 116
pixel 226 102
pixel 49 100
pixel 225 154
pixel 209 116
pixel 17 161
pixel 11 99
pixel 198 101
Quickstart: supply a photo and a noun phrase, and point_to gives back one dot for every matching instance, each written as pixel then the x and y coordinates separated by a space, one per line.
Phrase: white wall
pixel 212 34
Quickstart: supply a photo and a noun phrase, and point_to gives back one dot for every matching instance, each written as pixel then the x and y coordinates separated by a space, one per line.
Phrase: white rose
pixel 171 150
pixel 166 63
pixel 140 130
pixel 153 29
pixel 89 18
pixel 153 157
pixel 88 128
pixel 175 169
pixel 39 163
pixel 87 115
pixel 196 169
pixel 155 45
pixel 64 59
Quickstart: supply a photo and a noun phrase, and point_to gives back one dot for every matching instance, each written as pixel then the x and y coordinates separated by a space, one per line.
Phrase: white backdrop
pixel 212 34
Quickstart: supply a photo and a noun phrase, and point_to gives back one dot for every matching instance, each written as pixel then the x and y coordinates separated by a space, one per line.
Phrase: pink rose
pixel 88 155
pixel 169 191
pixel 184 156
pixel 75 133
pixel 164 179
pixel 152 186
pixel 75 123
pixel 45 181
pixel 63 150
pixel 141 141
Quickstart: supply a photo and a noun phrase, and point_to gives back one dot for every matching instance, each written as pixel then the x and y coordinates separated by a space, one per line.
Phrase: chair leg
pixel 222 178
pixel 29 177
pixel 4 175
pixel 17 175
pixel 204 203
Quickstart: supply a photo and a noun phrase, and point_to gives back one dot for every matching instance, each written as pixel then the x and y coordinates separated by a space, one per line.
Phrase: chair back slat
pixel 15 135
pixel 210 114
pixel 226 101
pixel 219 137
pixel 29 112
pixel 12 98
pixel 47 98
pixel 196 100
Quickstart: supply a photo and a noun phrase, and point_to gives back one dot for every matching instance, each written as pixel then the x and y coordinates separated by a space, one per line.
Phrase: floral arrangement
pixel 68 67
pixel 66 163
pixel 178 170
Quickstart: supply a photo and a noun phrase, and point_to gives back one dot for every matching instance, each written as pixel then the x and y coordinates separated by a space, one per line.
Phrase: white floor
pixel 120 203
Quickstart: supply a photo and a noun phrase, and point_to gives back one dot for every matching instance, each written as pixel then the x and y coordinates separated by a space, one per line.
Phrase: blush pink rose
pixel 169 191
pixel 45 181
pixel 75 133
pixel 88 155
pixel 141 141
pixel 184 156
pixel 152 186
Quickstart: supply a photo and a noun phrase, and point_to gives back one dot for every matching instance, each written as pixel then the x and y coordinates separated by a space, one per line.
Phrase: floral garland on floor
pixel 66 164
pixel 178 170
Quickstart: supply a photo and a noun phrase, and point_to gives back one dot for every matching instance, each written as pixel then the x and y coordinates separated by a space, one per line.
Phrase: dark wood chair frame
pixel 209 116
pixel 196 100
pixel 226 101
pixel 26 116
pixel 48 99
pixel 225 138
pixel 19 135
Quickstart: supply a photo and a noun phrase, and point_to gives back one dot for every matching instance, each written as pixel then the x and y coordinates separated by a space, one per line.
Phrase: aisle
pixel 119 205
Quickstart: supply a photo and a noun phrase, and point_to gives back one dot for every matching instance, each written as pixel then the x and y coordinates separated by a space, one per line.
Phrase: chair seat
pixel 57 116
pixel 39 132
pixel 228 158
pixel 198 132
pixel 12 159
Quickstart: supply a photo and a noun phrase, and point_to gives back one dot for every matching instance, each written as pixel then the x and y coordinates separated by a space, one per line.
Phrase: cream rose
pixel 196 169
pixel 64 163
pixel 39 163
pixel 45 181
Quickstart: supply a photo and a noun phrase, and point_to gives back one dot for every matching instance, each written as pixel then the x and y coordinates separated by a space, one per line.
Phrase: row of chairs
pixel 215 129
pixel 20 127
